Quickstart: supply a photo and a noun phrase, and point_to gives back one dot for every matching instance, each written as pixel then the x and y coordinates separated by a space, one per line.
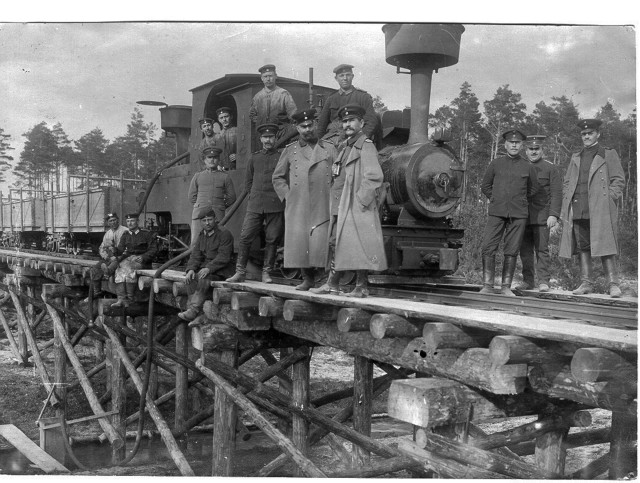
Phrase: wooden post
pixel 624 431
pixel 283 424
pixel 224 422
pixel 300 427
pixel 182 375
pixel 60 391
pixel 551 451
pixel 362 399
pixel 12 341
pixel 118 398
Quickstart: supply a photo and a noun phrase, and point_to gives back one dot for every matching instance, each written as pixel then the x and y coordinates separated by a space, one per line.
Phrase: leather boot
pixel 121 293
pixel 585 274
pixel 308 279
pixel 194 306
pixel 332 285
pixel 362 285
pixel 131 288
pixel 611 271
pixel 269 262
pixel 508 269
pixel 241 266
pixel 488 274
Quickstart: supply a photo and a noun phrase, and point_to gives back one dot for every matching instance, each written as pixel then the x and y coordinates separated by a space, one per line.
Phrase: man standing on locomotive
pixel 544 211
pixel 303 178
pixel 273 105
pixel 329 123
pixel 592 189
pixel 355 240
pixel 136 250
pixel 108 263
pixel 210 188
pixel 263 206
pixel 210 260
pixel 226 139
pixel 509 183
pixel 209 137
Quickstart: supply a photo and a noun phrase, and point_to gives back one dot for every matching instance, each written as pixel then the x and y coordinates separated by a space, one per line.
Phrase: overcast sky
pixel 88 75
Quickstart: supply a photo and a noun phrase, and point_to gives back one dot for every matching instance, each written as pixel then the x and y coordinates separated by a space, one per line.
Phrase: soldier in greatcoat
pixel 544 211
pixel 592 190
pixel 265 211
pixel 355 240
pixel 509 183
pixel 226 139
pixel 208 137
pixel 303 178
pixel 210 188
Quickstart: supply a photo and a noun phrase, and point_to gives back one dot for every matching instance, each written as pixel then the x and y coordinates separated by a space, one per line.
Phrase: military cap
pixel 342 67
pixel 350 111
pixel 206 119
pixel 266 129
pixel 589 124
pixel 223 109
pixel 267 68
pixel 210 212
pixel 211 151
pixel 513 135
pixel 302 116
pixel 132 216
pixel 111 215
pixel 535 141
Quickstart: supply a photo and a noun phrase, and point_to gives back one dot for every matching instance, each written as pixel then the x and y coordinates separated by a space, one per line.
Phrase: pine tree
pixel 5 158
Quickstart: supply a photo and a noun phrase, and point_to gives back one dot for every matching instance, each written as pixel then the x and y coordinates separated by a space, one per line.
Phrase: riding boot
pixel 362 283
pixel 121 293
pixel 611 271
pixel 508 268
pixel 131 288
pixel 585 275
pixel 332 284
pixel 194 306
pixel 241 266
pixel 308 279
pixel 269 262
pixel 488 274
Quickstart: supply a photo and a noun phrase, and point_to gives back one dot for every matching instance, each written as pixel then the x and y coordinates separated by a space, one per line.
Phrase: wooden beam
pixel 300 396
pixel 222 296
pixel 391 325
pixel 353 320
pixel 594 364
pixel 244 300
pixel 224 421
pixel 362 403
pixel 442 335
pixel 624 446
pixel 300 310
pixel 270 306
pixel 512 349
pixel 36 455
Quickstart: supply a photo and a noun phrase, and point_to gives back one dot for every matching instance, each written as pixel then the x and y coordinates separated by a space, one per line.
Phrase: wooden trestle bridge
pixel 447 368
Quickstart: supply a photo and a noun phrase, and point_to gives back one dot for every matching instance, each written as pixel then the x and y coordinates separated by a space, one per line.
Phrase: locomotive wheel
pixel 290 273
pixel 347 277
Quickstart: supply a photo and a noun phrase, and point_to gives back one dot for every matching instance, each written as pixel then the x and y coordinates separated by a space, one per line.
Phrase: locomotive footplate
pixel 421 251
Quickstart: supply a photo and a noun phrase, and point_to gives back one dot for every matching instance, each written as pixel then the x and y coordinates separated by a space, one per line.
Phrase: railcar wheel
pixel 290 273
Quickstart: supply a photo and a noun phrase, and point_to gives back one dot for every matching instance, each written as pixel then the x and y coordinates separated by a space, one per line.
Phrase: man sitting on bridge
pixel 211 258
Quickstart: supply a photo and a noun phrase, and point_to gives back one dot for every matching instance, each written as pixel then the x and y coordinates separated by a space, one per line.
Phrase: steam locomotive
pixel 423 176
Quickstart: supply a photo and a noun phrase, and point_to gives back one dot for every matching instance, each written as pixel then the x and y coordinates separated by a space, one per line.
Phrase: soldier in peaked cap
pixel 226 139
pixel 303 178
pixel 592 188
pixel 108 262
pixel 273 105
pixel 509 183
pixel 355 232
pixel 544 211
pixel 210 188
pixel 264 209
pixel 210 260
pixel 208 136
pixel 329 123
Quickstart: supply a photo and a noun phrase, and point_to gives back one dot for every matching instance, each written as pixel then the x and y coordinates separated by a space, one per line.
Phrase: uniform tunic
pixel 328 122
pixel 276 106
pixel 509 183
pixel 211 188
pixel 206 142
pixel 227 141
pixel 546 202
pixel 107 250
pixel 303 178
pixel 138 242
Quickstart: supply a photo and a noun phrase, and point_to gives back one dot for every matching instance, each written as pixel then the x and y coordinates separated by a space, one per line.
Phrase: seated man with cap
pixel 108 263
pixel 509 183
pixel 329 123
pixel 210 188
pixel 226 139
pixel 544 211
pixel 355 233
pixel 303 178
pixel 592 189
pixel 208 136
pixel 264 210
pixel 273 105
pixel 136 250
pixel 210 260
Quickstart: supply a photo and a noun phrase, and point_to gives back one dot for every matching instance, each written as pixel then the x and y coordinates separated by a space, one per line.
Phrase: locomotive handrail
pixel 153 180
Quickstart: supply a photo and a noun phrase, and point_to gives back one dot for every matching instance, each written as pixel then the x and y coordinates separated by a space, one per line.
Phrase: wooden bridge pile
pixel 472 366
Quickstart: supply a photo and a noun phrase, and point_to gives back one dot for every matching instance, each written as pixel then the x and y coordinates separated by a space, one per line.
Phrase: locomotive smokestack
pixel 421 48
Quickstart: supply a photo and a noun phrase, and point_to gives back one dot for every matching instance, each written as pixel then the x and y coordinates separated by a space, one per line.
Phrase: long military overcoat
pixel 359 243
pixel 606 182
pixel 302 177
